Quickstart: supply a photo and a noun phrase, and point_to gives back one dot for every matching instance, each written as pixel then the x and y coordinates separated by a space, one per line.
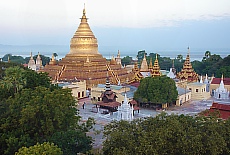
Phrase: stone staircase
pixel 114 75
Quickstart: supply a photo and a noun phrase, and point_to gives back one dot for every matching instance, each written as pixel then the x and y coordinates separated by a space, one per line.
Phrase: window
pixel 197 90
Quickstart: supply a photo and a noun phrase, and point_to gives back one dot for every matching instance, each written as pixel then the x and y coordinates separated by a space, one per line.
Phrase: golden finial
pixel 87 59
pixel 222 77
pixel 188 50
pixel 118 54
pixel 8 58
pixel 84 10
pixel 53 57
pixel 156 56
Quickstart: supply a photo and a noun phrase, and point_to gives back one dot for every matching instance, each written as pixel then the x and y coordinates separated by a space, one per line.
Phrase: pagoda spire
pixel 144 65
pixel 156 68
pixel 107 84
pixel 201 79
pixel 31 55
pixel 84 14
pixel 187 72
pixel 150 64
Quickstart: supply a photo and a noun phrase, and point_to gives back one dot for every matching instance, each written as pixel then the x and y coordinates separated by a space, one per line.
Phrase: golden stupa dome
pixel 83 41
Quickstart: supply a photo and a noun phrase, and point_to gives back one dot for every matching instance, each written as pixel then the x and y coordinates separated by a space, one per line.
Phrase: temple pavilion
pixel 84 62
pixel 187 72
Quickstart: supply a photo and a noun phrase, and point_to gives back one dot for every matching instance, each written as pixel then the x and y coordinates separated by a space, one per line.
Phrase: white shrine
pixel 171 74
pixel 207 83
pixel 221 92
pixel 35 66
pixel 125 111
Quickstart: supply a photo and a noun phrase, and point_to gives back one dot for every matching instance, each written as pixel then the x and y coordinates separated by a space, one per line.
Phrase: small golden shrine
pixel 144 65
pixel 84 62
pixel 156 68
pixel 187 72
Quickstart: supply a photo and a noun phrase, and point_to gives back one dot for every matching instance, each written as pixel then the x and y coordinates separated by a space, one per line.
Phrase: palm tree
pixel 207 54
pixel 179 57
pixel 14 79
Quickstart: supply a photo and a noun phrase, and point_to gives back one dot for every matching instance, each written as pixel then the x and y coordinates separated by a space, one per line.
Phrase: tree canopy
pixel 168 134
pixel 45 148
pixel 160 89
pixel 39 111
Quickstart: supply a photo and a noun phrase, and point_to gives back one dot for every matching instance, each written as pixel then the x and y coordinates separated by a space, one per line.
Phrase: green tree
pixel 140 55
pixel 13 58
pixel 167 134
pixel 33 116
pixel 207 54
pixel 126 60
pixel 13 79
pixel 55 55
pixel 198 67
pixel 38 149
pixel 156 90
pixel 179 57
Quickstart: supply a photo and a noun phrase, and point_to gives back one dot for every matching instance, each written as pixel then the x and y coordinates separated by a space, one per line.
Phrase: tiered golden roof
pixel 156 68
pixel 84 62
pixel 187 72
pixel 136 71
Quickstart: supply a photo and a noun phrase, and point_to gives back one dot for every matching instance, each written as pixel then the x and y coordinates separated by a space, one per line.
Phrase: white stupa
pixel 31 63
pixel 125 111
pixel 171 74
pixel 207 83
pixel 221 92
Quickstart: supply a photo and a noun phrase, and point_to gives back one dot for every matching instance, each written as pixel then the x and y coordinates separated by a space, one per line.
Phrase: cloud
pixel 49 15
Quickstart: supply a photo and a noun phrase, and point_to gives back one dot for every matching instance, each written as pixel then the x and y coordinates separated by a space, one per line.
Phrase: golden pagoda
pixel 156 68
pixel 144 65
pixel 53 61
pixel 138 76
pixel 84 62
pixel 187 72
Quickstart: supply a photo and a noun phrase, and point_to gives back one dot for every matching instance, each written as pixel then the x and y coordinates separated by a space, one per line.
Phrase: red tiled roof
pixel 217 81
pixel 224 109
pixel 220 106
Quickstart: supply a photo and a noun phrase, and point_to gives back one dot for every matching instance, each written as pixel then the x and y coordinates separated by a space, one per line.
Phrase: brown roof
pixel 109 104
pixel 136 108
pixel 109 95
pixel 133 102
pixel 217 81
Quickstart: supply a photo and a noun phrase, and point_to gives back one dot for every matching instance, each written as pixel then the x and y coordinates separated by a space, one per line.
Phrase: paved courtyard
pixel 189 108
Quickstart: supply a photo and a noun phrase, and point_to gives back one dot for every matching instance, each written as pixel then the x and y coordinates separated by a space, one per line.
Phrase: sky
pixel 155 25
